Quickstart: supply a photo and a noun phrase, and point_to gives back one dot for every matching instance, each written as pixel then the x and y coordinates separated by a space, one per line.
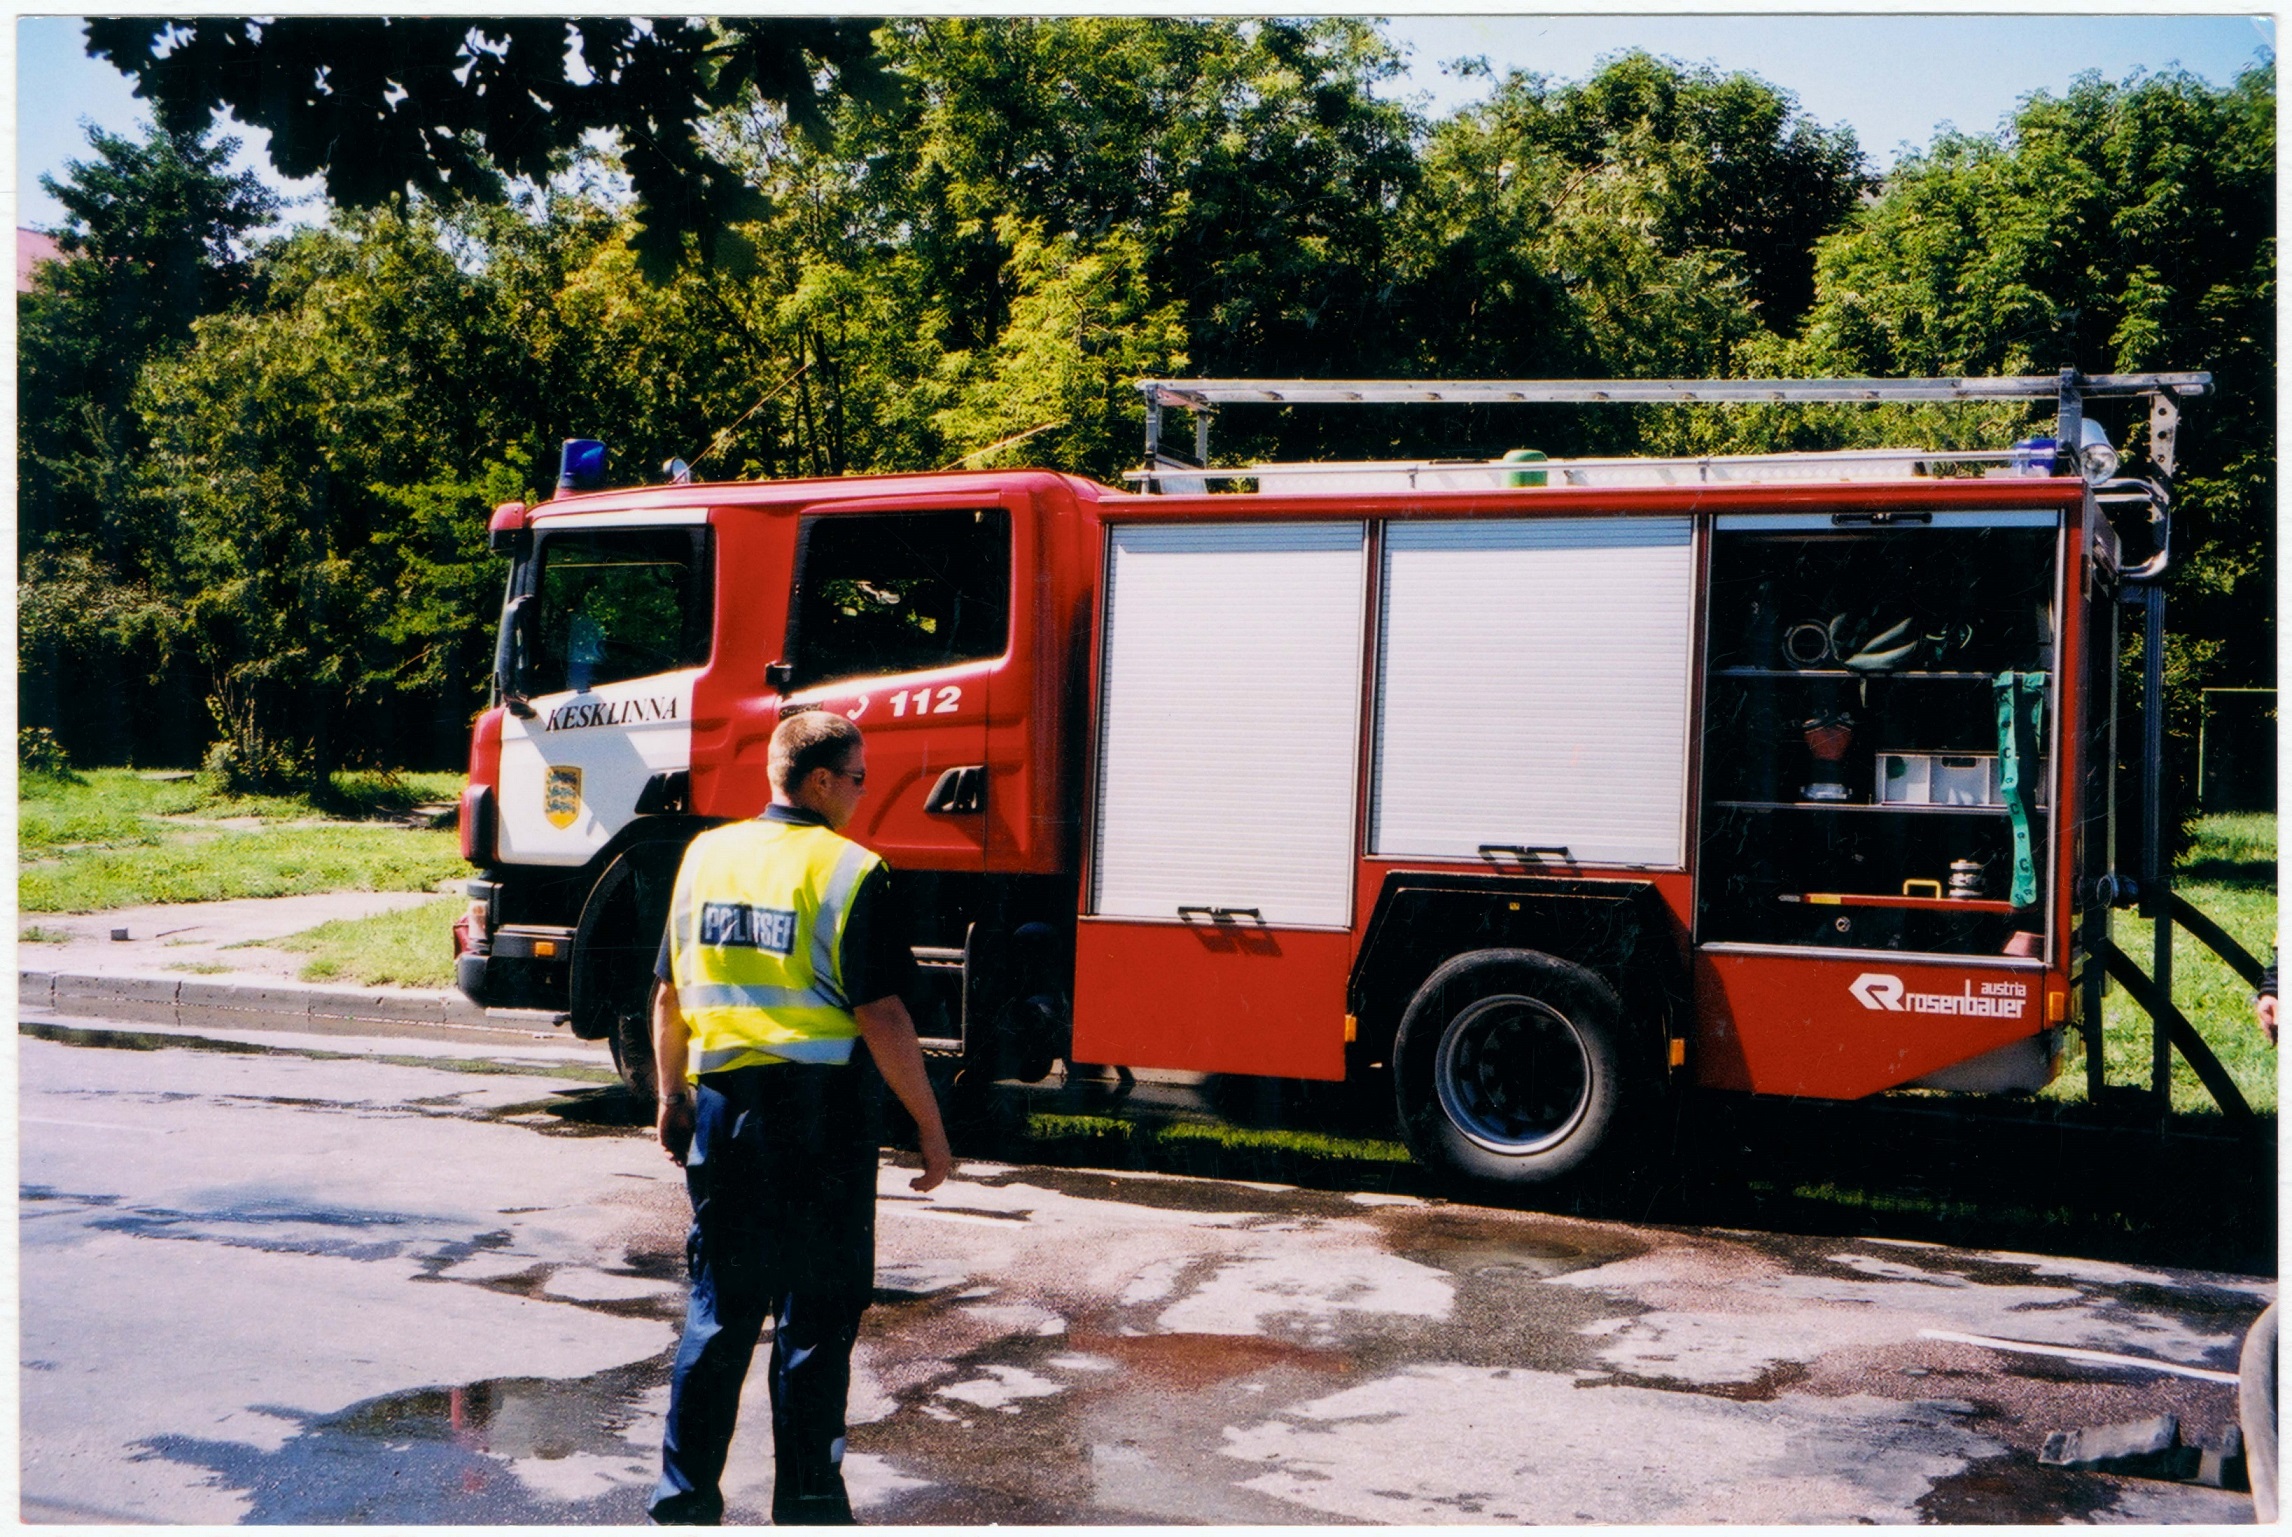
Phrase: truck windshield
pixel 619 603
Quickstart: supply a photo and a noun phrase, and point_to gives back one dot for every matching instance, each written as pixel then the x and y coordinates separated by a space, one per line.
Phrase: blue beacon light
pixel 581 465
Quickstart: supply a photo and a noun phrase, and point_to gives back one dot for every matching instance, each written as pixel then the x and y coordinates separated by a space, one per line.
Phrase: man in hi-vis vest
pixel 782 961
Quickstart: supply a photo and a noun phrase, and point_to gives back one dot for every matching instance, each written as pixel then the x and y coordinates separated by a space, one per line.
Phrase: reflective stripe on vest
pixel 755 941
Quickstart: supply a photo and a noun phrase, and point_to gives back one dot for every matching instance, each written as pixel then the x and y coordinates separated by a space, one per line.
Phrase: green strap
pixel 2017 744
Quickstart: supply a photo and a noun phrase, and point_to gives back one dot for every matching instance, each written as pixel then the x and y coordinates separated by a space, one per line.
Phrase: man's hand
pixel 938 1161
pixel 2264 1011
pixel 673 1125
pixel 890 1037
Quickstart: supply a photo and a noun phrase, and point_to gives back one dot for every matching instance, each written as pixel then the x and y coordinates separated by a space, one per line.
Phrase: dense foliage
pixel 272 478
pixel 446 106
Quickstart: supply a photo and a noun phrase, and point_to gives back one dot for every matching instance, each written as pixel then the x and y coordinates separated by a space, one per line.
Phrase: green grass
pixel 271 862
pixel 1141 1136
pixel 92 841
pixel 116 806
pixel 35 935
pixel 413 947
pixel 2229 875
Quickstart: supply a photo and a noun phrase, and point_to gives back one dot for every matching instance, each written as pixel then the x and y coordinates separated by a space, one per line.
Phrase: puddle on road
pixel 1191 1361
pixel 139 1040
pixel 2014 1491
pixel 605 1110
pixel 271 1227
pixel 1173 1193
pixel 1474 1243
pixel 1764 1388
pixel 517 1451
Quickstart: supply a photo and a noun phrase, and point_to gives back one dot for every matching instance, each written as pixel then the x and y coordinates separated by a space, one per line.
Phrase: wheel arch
pixel 1619 930
pixel 644 846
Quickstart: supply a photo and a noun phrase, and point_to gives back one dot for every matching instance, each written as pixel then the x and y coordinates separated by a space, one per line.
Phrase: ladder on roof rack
pixel 2069 389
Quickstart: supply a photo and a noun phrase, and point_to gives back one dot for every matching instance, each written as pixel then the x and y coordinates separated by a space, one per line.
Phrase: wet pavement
pixel 307 1279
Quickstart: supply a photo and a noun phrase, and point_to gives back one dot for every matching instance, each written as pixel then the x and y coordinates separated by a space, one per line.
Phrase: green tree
pixel 303 457
pixel 447 107
pixel 1653 220
pixel 155 236
pixel 1243 173
pixel 2120 227
pixel 1058 385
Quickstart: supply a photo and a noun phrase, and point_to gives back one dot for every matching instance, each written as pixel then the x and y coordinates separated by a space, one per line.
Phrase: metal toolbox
pixel 1939 779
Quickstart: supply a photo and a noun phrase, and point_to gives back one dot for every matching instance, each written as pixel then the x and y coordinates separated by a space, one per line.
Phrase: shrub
pixel 38 752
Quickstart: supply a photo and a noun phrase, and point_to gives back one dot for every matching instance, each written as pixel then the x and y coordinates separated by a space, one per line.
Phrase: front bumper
pixel 525 966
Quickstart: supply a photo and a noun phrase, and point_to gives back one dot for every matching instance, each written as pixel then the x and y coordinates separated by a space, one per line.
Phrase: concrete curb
pixel 196 1001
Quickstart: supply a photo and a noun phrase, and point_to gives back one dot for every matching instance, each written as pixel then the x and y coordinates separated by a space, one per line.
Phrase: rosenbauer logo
pixel 1883 992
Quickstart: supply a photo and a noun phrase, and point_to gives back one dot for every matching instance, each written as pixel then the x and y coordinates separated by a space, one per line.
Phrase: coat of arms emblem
pixel 561 795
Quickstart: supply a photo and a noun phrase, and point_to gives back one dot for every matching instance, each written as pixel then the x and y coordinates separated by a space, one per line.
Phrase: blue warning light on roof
pixel 581 465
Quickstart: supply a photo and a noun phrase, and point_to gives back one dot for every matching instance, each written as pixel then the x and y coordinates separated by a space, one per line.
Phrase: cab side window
pixel 619 603
pixel 878 594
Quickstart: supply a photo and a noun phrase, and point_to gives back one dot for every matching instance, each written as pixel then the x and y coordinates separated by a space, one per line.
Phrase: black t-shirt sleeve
pixel 877 961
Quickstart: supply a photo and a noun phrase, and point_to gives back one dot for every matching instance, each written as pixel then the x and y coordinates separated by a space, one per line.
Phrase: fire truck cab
pixel 1548 788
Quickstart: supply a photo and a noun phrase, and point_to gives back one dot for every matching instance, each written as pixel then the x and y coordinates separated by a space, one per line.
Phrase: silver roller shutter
pixel 1229 721
pixel 1533 682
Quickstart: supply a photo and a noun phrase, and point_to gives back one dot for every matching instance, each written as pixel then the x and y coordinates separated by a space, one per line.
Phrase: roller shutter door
pixel 1229 721
pixel 1533 683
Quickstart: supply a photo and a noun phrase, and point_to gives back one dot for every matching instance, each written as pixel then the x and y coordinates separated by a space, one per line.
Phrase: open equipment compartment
pixel 1878 697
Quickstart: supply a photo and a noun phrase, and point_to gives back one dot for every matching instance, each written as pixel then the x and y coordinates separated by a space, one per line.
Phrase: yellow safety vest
pixel 756 934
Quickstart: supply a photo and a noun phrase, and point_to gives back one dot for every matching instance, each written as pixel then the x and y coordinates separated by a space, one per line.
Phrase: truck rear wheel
pixel 1512 1068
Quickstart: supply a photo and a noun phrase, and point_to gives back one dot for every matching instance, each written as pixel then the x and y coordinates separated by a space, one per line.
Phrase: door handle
pixel 1529 850
pixel 1224 914
pixel 960 791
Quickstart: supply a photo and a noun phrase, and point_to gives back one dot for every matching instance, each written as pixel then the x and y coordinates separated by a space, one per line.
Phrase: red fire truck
pixel 1548 787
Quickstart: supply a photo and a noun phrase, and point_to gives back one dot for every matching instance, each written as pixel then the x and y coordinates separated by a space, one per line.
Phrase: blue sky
pixel 1893 78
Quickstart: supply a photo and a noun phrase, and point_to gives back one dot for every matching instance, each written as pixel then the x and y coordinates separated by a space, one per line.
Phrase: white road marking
pixel 2071 1353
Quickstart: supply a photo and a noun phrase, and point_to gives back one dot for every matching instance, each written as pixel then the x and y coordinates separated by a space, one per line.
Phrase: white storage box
pixel 1939 779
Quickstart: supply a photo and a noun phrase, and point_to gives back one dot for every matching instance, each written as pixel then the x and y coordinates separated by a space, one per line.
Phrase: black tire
pixel 632 1044
pixel 1513 1068
pixel 615 947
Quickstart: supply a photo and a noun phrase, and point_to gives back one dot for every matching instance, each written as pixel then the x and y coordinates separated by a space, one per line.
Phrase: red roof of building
pixel 32 247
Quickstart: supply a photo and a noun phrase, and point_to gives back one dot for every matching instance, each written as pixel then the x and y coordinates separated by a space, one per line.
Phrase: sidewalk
pixel 206 964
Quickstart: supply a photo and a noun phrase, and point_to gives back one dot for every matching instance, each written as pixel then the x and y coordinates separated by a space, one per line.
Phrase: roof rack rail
pixel 2069 388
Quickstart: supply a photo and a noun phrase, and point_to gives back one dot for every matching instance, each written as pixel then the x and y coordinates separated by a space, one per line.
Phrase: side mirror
pixel 511 662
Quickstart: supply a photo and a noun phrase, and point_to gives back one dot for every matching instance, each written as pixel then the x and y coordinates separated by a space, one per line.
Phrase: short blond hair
pixel 805 741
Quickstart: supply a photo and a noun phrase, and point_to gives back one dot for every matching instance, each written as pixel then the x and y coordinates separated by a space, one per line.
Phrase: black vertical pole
pixel 2156 867
pixel 2101 648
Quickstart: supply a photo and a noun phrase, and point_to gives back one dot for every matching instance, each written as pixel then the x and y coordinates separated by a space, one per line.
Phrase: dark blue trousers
pixel 782 1177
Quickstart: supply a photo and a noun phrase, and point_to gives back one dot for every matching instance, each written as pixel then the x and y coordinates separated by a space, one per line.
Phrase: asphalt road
pixel 430 1278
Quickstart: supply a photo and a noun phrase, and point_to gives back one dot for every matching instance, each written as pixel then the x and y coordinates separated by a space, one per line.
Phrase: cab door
pixel 610 635
pixel 1216 927
pixel 900 617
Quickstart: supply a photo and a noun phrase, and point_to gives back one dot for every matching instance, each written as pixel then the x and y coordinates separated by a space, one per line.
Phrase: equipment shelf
pixel 1977 601
pixel 1905 904
pixel 1839 674
pixel 1866 806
